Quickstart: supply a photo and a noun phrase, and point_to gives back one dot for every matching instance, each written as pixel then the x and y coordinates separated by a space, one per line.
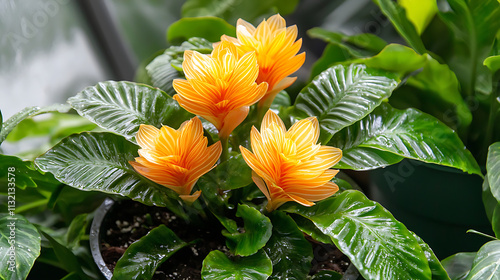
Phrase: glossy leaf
pixel 397 15
pixel 166 67
pixel 406 133
pixel 369 235
pixel 217 266
pixel 121 107
pixel 99 162
pixel 486 265
pixel 493 169
pixel 207 27
pixel 13 121
pixel 287 248
pixel 437 87
pixel 420 13
pixel 142 258
pixel 231 10
pixel 256 233
pixel 363 158
pixel 24 173
pixel 459 265
pixel 341 96
pixel 308 227
pixel 437 269
pixel 19 246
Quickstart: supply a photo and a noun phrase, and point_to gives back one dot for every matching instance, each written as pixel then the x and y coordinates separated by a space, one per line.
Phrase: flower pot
pixel 438 203
pixel 98 231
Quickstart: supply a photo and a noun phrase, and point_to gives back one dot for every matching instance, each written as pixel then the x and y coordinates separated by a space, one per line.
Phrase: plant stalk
pixel 225 149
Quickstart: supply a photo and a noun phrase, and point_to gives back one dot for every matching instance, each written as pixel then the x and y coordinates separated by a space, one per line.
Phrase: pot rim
pixel 95 229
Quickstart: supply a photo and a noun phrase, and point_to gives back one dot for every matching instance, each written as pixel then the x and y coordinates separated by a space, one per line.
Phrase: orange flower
pixel 175 158
pixel 289 165
pixel 220 87
pixel 276 50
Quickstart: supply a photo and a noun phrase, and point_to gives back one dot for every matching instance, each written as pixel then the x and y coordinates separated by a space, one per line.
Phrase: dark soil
pixel 128 221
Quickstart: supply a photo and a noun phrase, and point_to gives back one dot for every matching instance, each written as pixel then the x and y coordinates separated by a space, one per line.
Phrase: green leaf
pixel 489 201
pixel 493 63
pixel 332 54
pixel 19 246
pixel 437 269
pixel 340 96
pixel 282 99
pixel 459 265
pixel 362 158
pixel 289 251
pixel 56 127
pixel 359 44
pixel 232 174
pixel 397 15
pixel 142 258
pixel 253 237
pixel 486 265
pixel 217 266
pixel 308 227
pixel 493 169
pixel 406 133
pixel 207 27
pixel 13 121
pixel 395 58
pixel 327 275
pixel 67 259
pixel 437 88
pixel 76 231
pixel 232 10
pixel 420 13
pixel 475 24
pixel 369 235
pixel 99 162
pixel 121 107
pixel 166 67
pixel 438 84
pixel 21 173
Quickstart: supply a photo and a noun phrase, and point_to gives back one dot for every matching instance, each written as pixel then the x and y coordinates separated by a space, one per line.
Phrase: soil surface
pixel 128 221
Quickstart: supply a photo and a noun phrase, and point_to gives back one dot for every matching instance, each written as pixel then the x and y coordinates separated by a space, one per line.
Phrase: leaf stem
pixel 480 233
pixel 31 205
pixel 225 149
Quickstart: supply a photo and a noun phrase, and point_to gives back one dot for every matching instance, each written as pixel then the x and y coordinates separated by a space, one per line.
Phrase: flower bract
pixel 276 48
pixel 289 165
pixel 220 87
pixel 175 159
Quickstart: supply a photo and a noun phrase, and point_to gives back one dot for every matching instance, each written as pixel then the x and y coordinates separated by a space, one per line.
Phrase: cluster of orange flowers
pixel 220 87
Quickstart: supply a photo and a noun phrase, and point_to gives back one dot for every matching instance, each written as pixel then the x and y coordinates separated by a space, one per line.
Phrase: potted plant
pixel 448 59
pixel 216 141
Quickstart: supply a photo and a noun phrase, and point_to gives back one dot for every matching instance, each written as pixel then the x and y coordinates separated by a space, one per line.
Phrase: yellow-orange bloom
pixel 289 165
pixel 276 50
pixel 220 87
pixel 175 158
